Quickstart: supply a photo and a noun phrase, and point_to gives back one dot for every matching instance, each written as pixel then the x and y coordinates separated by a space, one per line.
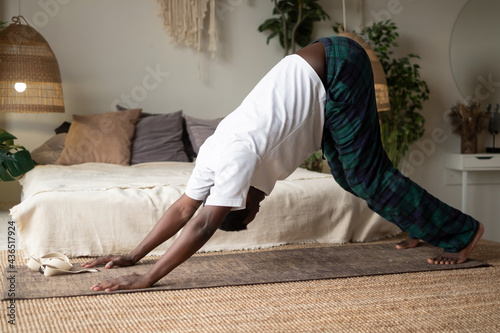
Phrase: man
pixel 323 96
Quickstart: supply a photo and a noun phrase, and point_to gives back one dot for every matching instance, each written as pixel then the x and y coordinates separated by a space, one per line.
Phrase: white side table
pixel 471 162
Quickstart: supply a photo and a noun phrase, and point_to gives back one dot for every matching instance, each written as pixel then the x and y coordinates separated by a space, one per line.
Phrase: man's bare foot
pixel 407 243
pixel 447 258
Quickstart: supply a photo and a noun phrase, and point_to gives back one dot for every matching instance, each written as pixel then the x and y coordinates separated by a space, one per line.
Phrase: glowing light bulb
pixel 20 86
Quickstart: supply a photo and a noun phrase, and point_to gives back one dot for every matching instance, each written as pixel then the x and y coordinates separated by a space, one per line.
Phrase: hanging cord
pixel 361 6
pixel 362 12
pixel 343 11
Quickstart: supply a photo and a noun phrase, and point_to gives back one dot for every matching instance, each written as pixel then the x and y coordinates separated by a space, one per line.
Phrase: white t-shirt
pixel 276 127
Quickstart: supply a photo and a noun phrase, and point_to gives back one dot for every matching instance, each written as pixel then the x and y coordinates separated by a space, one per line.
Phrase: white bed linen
pixel 95 209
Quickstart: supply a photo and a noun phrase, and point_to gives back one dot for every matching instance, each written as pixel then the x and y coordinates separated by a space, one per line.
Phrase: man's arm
pixel 176 217
pixel 195 234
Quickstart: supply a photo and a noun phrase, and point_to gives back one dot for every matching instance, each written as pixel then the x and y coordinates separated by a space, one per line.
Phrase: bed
pixel 92 208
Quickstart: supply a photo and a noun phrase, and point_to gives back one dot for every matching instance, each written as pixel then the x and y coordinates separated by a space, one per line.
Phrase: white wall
pixel 107 48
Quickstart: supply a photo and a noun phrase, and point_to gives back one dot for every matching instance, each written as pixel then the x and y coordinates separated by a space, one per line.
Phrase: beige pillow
pixel 104 138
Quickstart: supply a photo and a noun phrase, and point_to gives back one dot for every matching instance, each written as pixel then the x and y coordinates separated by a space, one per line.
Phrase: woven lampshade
pixel 26 57
pixel 381 90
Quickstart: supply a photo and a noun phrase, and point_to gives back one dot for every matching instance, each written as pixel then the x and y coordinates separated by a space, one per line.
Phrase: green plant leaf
pixel 15 160
pixel 287 11
pixel 314 162
pixel 14 165
pixel 6 138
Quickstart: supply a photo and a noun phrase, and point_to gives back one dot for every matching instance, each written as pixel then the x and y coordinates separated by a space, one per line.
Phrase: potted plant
pixel 402 125
pixel 294 22
pixel 15 160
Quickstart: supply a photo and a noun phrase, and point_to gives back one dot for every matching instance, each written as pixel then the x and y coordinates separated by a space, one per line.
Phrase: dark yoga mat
pixel 242 268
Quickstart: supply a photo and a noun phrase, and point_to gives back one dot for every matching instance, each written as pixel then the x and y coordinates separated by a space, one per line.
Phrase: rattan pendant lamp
pixel 30 80
pixel 381 89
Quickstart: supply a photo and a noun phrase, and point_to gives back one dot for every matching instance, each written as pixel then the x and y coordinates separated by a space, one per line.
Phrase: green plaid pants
pixel 352 146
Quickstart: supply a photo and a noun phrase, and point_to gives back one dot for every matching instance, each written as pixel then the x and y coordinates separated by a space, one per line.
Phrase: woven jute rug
pixel 236 269
pixel 456 300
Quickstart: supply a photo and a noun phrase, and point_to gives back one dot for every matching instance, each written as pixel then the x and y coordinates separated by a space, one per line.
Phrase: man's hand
pixel 111 261
pixel 133 281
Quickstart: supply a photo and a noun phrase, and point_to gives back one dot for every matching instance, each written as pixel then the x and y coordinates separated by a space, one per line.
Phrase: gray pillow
pixel 188 148
pixel 49 151
pixel 200 129
pixel 159 138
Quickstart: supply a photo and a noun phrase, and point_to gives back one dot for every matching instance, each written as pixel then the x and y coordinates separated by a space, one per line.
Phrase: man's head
pixel 237 220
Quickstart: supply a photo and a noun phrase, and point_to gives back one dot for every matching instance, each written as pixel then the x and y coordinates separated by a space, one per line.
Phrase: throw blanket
pixel 95 209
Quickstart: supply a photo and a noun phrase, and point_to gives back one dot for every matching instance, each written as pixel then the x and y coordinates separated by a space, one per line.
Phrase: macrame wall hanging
pixel 184 22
